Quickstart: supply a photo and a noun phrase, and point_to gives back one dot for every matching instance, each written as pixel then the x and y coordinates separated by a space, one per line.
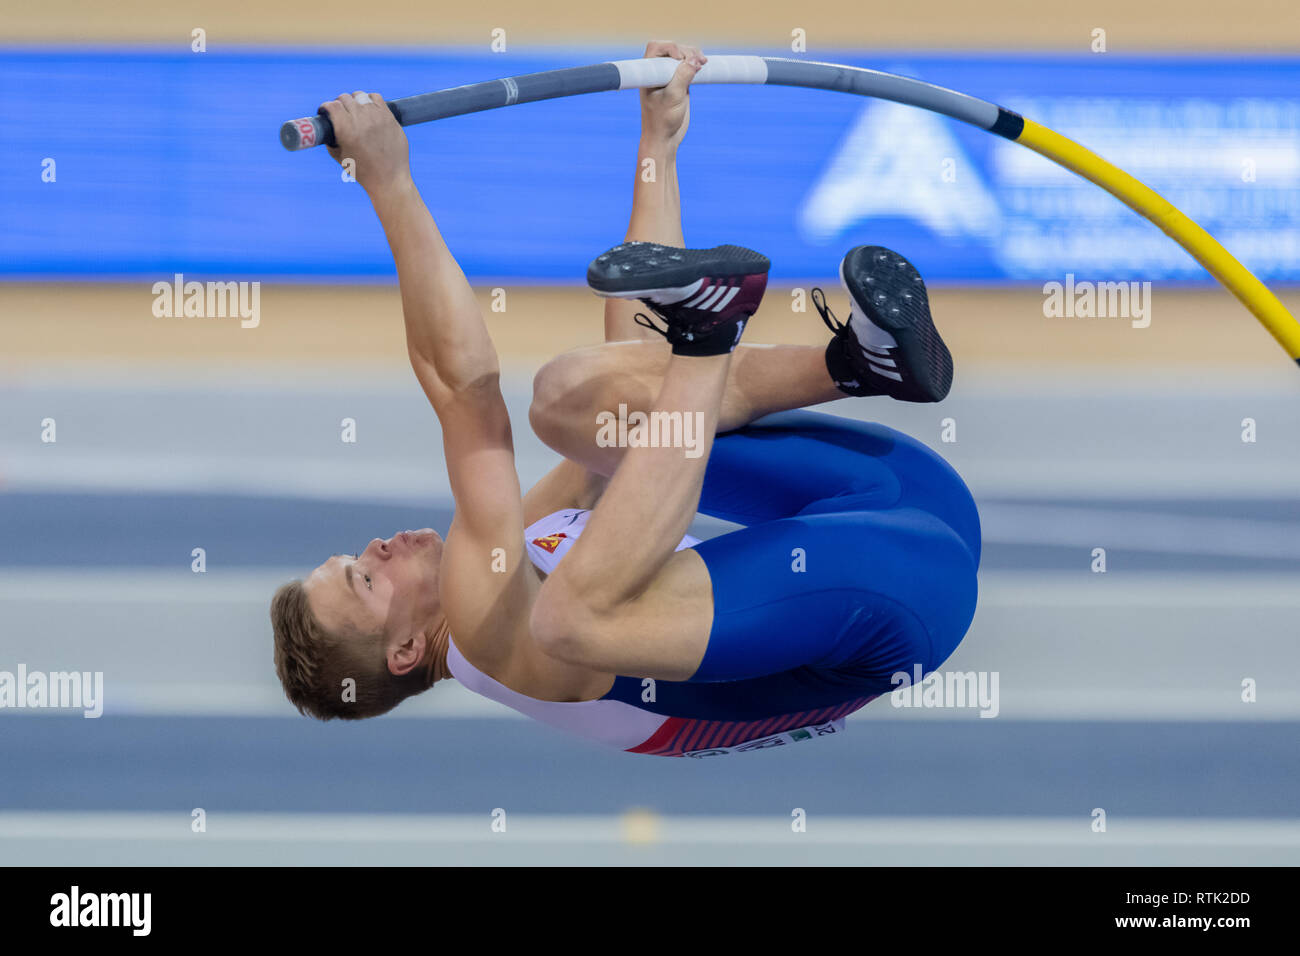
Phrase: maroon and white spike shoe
pixel 705 296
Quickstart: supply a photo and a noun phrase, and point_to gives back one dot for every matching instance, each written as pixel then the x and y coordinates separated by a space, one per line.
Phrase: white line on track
pixel 645 826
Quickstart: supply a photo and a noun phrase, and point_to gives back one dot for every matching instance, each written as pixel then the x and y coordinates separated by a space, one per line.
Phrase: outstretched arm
pixel 446 339
pixel 656 203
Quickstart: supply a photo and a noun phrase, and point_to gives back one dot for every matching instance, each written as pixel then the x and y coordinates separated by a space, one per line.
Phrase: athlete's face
pixel 390 588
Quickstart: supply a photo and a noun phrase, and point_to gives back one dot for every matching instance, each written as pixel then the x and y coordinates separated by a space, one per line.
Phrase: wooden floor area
pixel 329 326
pixel 731 26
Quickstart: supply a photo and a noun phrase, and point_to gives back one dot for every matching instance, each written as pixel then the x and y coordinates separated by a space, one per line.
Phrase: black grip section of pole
pixel 327 125
pixel 326 128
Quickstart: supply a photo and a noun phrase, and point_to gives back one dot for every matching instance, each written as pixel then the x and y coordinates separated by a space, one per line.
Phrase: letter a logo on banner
pixel 889 166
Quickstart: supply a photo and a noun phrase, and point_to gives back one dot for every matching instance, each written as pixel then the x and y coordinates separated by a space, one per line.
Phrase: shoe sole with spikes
pixel 888 290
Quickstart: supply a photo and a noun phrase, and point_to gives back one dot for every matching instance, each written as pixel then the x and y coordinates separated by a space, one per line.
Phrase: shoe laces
pixel 643 320
pixel 819 302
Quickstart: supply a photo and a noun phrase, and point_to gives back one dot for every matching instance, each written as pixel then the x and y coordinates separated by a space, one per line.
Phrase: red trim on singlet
pixel 682 735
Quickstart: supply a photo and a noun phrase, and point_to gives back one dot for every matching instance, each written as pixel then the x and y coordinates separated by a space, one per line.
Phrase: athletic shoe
pixel 705 296
pixel 889 346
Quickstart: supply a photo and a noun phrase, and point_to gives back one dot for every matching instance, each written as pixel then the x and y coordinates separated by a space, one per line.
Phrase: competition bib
pixel 786 737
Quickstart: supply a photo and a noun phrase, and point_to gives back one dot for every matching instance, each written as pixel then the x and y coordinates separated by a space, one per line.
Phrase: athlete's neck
pixel 436 659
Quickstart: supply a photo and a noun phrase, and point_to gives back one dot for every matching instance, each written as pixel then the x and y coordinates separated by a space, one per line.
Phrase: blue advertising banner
pixel 140 163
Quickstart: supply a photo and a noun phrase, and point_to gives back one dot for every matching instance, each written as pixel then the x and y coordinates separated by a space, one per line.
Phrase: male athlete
pixel 584 604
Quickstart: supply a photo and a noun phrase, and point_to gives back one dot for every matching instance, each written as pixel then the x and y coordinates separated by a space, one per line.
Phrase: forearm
pixel 445 333
pixel 656 217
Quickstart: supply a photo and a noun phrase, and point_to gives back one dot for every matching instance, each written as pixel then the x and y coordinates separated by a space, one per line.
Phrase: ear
pixel 407 657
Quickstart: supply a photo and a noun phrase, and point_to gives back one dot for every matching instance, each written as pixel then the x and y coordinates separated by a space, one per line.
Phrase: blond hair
pixel 313 664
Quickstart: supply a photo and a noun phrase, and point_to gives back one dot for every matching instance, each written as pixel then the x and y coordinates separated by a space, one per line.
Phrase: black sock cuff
pixel 841 369
pixel 717 341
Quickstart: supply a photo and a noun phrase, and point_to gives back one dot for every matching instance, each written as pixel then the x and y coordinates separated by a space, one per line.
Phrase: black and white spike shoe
pixel 889 346
pixel 704 296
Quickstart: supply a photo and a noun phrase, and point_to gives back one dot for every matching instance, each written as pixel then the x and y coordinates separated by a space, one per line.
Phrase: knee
pixel 553 388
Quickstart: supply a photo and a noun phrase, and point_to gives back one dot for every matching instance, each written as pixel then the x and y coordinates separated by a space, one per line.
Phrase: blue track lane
pixel 149 530
pixel 974 767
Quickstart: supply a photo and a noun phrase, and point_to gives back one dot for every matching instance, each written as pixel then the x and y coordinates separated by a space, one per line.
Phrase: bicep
pixel 478 446
pixel 483 580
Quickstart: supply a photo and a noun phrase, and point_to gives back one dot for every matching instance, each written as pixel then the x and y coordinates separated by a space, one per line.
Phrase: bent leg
pixel 859 560
pixel 848 597
pixel 804 462
pixel 890 529
pixel 763 465
pixel 623 600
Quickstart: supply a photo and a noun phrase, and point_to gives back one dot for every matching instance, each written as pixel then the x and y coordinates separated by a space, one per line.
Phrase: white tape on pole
pixel 651 72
